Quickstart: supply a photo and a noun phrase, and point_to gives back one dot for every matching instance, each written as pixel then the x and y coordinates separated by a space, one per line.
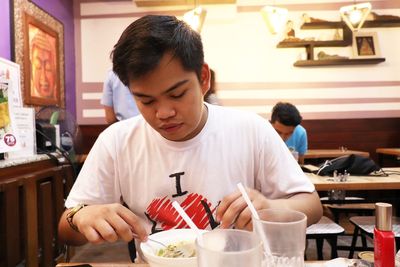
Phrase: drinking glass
pixel 229 247
pixel 283 233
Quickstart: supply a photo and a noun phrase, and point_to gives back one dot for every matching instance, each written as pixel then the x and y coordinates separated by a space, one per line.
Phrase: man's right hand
pixel 99 223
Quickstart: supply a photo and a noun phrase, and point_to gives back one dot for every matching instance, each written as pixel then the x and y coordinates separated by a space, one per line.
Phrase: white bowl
pixel 168 237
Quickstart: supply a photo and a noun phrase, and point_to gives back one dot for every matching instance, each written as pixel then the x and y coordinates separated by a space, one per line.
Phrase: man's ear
pixel 205 78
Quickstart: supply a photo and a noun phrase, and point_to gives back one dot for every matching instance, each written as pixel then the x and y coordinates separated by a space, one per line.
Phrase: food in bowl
pixel 169 237
pixel 182 249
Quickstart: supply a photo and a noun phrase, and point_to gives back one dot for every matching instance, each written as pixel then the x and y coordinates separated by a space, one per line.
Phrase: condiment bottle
pixel 384 240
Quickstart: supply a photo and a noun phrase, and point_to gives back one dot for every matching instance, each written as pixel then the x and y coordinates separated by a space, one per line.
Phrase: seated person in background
pixel 211 96
pixel 117 100
pixel 180 149
pixel 286 120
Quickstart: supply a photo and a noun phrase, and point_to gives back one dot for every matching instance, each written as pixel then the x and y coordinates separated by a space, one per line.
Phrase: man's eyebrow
pixel 173 87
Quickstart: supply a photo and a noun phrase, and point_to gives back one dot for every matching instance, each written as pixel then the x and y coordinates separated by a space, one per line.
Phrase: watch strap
pixel 71 214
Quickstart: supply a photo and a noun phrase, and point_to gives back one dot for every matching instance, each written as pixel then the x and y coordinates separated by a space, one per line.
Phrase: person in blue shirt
pixel 286 120
pixel 117 100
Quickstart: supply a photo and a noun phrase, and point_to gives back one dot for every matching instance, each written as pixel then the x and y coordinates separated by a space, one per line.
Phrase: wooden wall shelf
pixel 382 23
pixel 339 24
pixel 322 25
pixel 290 44
pixel 347 41
pixel 333 62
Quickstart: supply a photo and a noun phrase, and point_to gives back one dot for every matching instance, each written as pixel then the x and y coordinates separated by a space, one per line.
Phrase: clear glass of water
pixel 229 247
pixel 283 233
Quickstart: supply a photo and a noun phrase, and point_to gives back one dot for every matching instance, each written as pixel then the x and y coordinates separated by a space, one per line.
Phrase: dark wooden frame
pixel 25 13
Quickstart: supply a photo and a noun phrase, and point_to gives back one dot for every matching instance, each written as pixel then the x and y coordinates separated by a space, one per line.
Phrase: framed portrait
pixel 39 50
pixel 365 45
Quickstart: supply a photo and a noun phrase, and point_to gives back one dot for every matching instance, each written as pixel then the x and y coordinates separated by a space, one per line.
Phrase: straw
pixel 187 219
pixel 248 201
pixel 255 215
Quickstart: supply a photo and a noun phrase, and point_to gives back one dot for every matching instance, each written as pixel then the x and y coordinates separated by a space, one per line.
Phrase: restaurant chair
pixel 325 229
pixel 364 226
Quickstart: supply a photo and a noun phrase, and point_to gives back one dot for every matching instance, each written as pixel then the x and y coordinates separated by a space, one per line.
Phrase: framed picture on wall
pixel 365 45
pixel 41 62
pixel 39 50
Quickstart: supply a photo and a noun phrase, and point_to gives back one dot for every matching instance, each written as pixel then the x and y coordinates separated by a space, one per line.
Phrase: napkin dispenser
pixel 45 137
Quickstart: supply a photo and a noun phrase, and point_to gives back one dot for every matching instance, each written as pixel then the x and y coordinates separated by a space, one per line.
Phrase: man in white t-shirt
pixel 179 148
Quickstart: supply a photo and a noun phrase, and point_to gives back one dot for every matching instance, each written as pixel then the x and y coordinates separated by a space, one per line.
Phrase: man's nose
pixel 165 112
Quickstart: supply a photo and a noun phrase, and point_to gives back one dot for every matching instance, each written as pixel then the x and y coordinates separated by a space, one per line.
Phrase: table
pixel 387 151
pixel 326 183
pixel 308 263
pixel 370 186
pixel 332 153
pixel 110 264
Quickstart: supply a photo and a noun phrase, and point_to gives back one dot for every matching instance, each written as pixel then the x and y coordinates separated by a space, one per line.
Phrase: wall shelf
pixel 333 62
pixel 309 45
pixel 304 43
pixel 383 23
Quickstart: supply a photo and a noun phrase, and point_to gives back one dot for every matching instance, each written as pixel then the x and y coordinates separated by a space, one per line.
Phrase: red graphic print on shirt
pixel 161 211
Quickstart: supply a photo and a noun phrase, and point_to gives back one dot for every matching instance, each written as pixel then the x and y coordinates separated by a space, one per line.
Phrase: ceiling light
pixel 275 18
pixel 355 15
pixel 195 18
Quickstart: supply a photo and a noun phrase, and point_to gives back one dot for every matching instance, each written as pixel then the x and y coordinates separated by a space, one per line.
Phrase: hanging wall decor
pixel 39 50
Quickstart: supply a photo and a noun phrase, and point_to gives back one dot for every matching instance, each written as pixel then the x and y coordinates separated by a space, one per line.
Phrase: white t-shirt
pixel 132 163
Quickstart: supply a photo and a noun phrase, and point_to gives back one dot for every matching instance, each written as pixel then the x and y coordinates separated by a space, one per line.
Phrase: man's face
pixel 283 130
pixel 171 99
pixel 43 72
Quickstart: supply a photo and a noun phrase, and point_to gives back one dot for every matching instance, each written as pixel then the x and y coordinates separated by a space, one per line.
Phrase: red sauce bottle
pixel 384 240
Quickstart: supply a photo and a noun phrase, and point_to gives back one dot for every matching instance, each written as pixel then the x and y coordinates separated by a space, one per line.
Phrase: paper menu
pixel 24 122
pixel 8 133
pixel 11 71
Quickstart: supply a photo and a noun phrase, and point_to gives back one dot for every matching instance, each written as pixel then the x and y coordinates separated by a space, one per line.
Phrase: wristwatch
pixel 71 213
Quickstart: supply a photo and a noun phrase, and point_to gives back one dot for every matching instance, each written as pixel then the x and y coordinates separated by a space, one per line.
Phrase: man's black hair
pixel 144 42
pixel 286 113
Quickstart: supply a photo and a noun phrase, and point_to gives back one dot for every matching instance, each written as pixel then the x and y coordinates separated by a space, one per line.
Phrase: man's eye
pixel 146 103
pixel 178 96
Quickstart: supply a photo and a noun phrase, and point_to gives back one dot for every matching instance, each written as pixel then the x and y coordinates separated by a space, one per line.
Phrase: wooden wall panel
pixel 358 134
pixel 30 207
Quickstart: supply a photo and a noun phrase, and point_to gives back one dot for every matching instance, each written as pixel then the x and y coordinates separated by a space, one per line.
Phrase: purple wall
pixel 5 50
pixel 61 10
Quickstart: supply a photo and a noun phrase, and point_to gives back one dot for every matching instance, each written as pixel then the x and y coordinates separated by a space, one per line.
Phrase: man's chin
pixel 175 137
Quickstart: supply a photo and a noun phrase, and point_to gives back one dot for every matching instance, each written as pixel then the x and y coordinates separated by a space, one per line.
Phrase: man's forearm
pixel 110 114
pixel 301 159
pixel 308 203
pixel 68 235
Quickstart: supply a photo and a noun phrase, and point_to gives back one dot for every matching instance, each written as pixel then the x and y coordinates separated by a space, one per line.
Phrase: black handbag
pixel 352 164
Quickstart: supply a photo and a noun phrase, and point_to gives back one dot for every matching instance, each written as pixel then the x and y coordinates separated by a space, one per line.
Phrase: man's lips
pixel 171 127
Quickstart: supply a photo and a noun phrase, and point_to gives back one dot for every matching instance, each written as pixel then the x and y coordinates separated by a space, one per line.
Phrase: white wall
pixel 251 72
